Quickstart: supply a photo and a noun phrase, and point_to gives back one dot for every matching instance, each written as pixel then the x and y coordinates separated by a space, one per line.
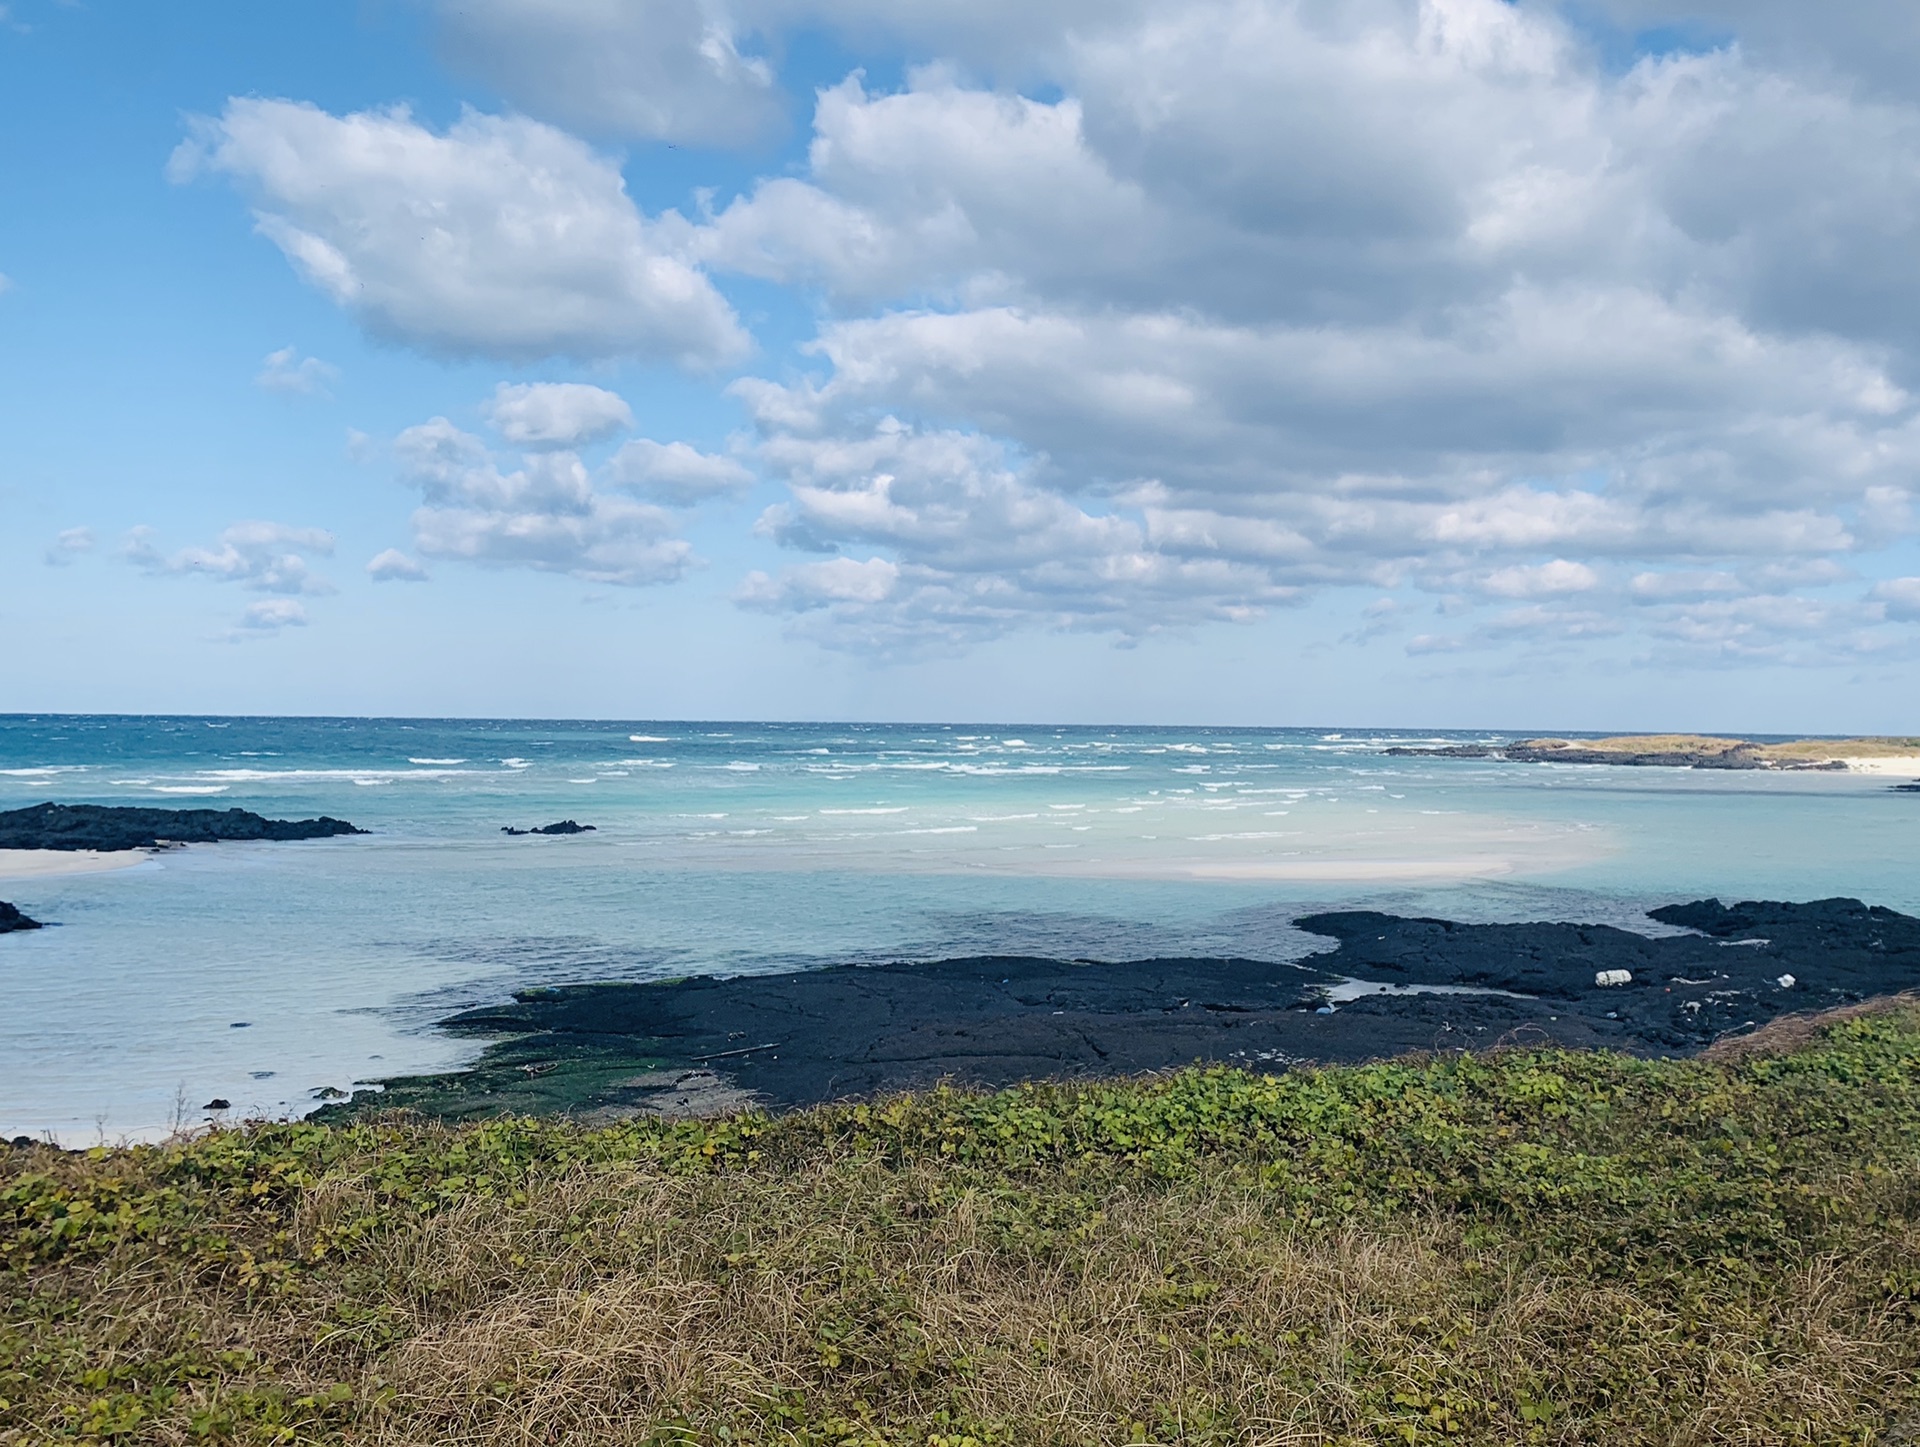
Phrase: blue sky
pixel 1442 362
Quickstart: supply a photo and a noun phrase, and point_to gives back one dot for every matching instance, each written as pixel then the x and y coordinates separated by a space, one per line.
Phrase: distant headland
pixel 1695 751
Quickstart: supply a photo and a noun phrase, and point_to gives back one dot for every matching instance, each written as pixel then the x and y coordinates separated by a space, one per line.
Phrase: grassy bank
pixel 1527 1247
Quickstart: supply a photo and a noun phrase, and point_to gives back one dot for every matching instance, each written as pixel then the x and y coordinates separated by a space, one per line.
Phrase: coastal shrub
pixel 1524 1246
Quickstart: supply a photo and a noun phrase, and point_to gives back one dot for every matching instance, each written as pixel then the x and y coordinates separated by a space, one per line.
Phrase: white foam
pixel 444 763
pixel 188 788
pixel 901 809
pixel 355 776
pixel 647 739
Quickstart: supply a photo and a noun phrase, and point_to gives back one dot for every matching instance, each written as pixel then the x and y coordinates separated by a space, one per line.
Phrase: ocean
pixel 265 974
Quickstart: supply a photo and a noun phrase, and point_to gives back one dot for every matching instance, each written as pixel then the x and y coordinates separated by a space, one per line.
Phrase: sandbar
pixel 47 863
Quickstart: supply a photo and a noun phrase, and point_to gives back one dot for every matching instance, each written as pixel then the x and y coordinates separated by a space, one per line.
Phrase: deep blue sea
pixel 265 973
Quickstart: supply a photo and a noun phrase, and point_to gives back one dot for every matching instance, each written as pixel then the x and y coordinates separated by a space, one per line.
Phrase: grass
pixel 1530 1246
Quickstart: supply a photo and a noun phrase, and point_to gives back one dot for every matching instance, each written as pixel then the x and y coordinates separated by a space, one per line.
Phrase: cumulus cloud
pixel 980 547
pixel 675 473
pixel 286 371
pixel 1540 580
pixel 546 514
pixel 270 615
pixel 70 544
pixel 1140 314
pixel 500 237
pixel 556 414
pixel 665 70
pixel 1900 597
pixel 1385 292
pixel 260 556
pixel 392 566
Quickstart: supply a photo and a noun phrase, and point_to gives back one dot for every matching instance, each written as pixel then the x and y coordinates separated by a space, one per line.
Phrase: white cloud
pixel 270 615
pixel 1541 580
pixel 981 548
pixel 395 566
pixel 1900 597
pixel 260 556
pixel 1376 292
pixel 674 472
pixel 666 69
pixel 67 546
pixel 1141 314
pixel 556 414
pixel 500 237
pixel 289 372
pixel 545 515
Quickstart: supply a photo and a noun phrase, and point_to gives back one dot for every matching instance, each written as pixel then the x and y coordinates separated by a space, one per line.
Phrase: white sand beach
pixel 45 863
pixel 1904 766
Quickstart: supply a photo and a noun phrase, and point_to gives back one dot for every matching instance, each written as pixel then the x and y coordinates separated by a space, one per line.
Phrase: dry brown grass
pixel 825 1294
pixel 1198 1309
pixel 1785 1034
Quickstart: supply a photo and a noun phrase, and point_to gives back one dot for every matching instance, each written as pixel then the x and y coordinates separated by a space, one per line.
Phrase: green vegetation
pixel 1534 1246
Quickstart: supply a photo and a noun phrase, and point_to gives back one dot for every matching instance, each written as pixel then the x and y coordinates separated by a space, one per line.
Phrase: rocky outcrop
pixel 565 826
pixel 95 826
pixel 11 920
pixel 1392 985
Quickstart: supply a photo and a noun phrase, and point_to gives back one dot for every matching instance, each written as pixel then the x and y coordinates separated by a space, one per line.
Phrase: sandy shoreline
pixel 1904 766
pixel 47 863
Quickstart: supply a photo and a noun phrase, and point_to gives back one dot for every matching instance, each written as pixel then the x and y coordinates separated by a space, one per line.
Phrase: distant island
pixel 1694 751
pixel 96 826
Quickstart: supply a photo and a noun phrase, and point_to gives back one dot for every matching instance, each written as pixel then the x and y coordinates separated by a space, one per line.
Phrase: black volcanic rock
pixel 1394 984
pixel 95 826
pixel 11 919
pixel 565 826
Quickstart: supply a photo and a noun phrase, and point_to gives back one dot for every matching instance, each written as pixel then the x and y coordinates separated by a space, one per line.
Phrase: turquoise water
pixel 263 973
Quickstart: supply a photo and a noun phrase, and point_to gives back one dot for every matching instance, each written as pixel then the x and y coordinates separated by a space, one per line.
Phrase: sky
pixel 1410 363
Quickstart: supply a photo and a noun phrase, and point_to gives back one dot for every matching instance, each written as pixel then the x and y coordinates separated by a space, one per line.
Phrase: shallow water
pixel 264 973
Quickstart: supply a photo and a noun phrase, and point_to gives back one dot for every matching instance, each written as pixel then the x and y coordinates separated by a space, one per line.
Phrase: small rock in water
pixel 329 1092
pixel 565 826
pixel 241 1025
pixel 218 1103
pixel 11 919
pixel 1608 979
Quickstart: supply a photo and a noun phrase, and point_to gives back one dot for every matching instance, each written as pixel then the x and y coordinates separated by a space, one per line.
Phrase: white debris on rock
pixel 1606 979
pixel 1786 982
